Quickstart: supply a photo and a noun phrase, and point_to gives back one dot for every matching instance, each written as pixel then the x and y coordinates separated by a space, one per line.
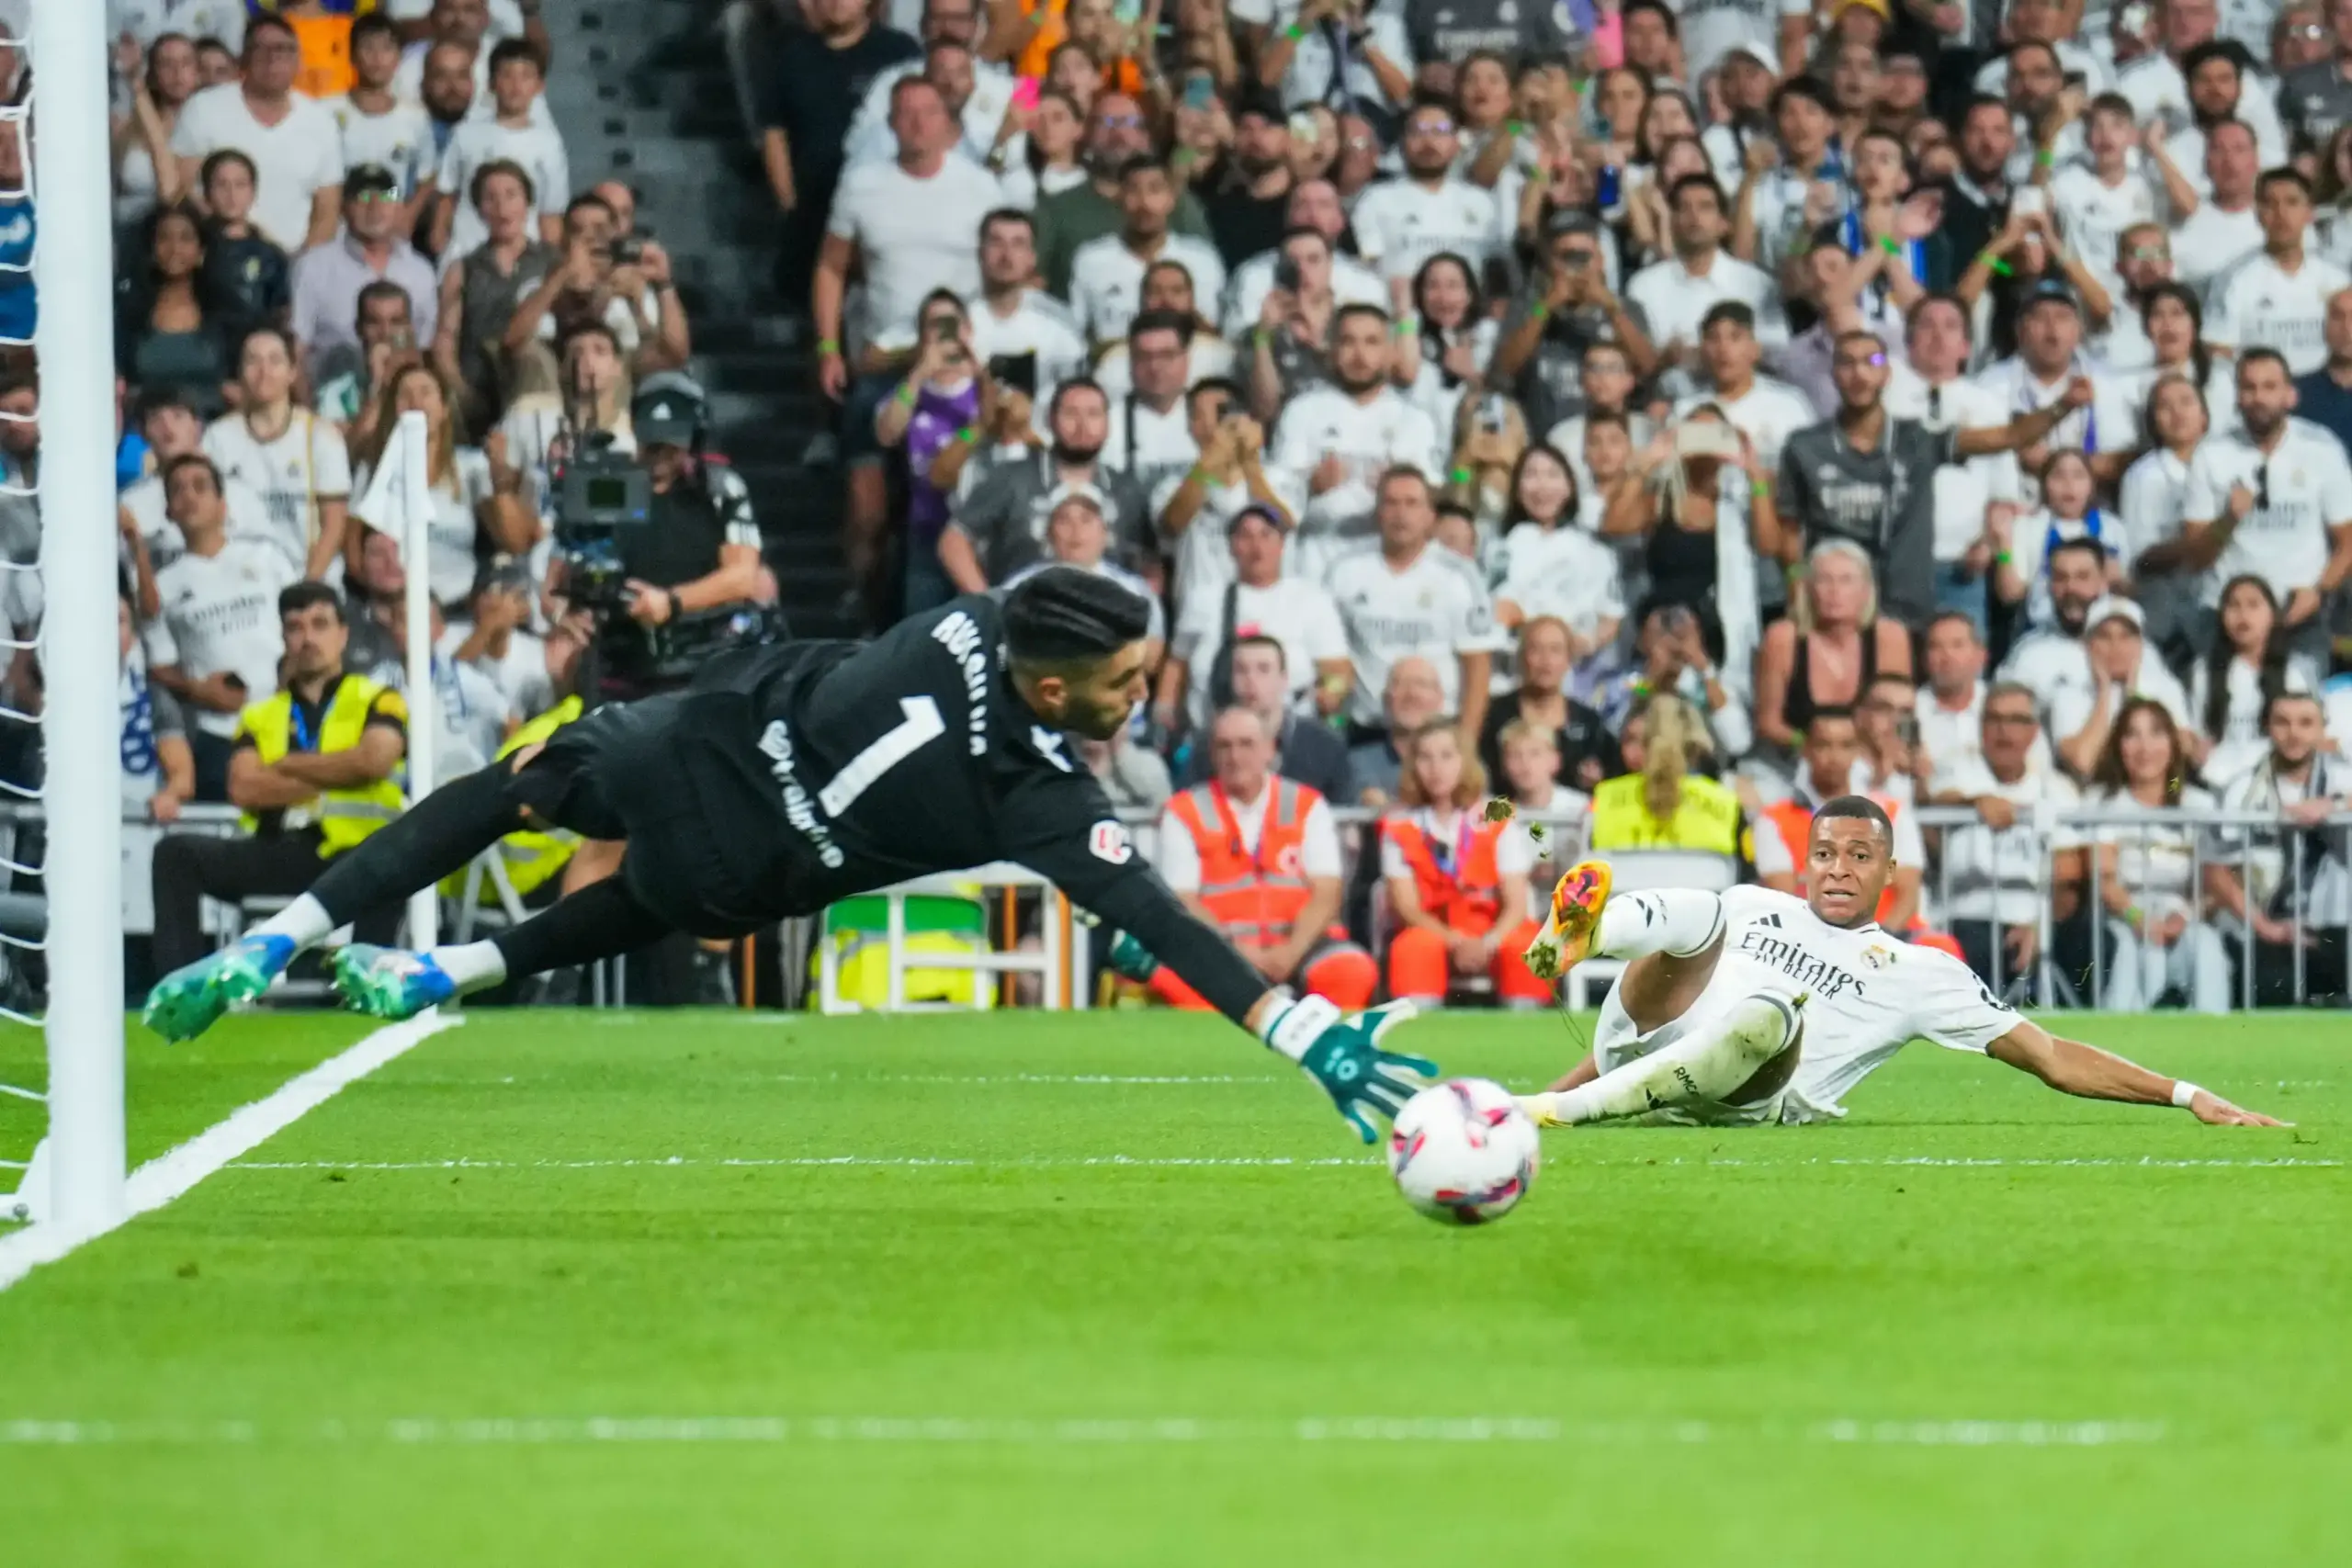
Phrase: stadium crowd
pixel 1656 416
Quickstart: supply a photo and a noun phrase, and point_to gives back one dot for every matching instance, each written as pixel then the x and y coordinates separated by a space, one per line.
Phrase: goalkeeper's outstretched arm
pixel 2071 1067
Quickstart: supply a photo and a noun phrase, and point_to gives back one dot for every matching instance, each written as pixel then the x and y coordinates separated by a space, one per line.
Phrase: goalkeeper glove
pixel 1343 1056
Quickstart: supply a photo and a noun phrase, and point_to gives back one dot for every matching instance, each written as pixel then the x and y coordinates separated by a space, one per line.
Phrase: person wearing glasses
pixel 1400 224
pixel 295 148
pixel 329 278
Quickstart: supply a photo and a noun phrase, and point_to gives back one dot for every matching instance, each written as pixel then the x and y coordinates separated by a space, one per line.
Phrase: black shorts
pixel 708 850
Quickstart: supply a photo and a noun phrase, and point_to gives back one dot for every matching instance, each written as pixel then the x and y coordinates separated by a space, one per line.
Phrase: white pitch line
pixel 1190 1161
pixel 168 1176
pixel 545 1431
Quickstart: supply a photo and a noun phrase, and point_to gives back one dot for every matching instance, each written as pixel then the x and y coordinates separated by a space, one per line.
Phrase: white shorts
pixel 1615 1041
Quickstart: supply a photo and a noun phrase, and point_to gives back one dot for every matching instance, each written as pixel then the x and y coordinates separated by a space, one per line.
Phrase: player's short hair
pixel 1066 615
pixel 297 597
pixel 1860 806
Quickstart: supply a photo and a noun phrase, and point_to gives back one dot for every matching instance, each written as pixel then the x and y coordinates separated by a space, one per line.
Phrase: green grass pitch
pixel 630 1289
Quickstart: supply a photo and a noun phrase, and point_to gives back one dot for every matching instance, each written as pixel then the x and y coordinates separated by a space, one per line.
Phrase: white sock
pixel 1698 1067
pixel 476 967
pixel 1680 923
pixel 305 920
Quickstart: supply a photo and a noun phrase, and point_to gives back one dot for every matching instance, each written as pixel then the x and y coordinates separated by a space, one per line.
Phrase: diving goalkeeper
pixel 788 777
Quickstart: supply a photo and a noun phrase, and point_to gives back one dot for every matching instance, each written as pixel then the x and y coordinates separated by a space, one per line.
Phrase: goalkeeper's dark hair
pixel 1064 614
pixel 1864 807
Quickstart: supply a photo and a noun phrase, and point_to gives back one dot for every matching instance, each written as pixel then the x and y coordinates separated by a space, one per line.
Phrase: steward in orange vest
pixel 1256 856
pixel 1456 882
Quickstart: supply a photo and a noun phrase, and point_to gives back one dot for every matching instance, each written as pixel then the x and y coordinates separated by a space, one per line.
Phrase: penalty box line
pixel 168 1177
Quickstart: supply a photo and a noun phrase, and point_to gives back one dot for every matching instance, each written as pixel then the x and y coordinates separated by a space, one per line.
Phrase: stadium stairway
pixel 643 92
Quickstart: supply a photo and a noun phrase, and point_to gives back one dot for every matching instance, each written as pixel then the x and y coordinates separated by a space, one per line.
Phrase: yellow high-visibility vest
pixel 531 857
pixel 345 817
pixel 1706 817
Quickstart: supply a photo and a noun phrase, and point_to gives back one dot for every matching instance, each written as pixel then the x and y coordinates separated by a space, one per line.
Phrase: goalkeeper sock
pixel 305 922
pixel 1698 1067
pixel 475 965
pixel 1680 923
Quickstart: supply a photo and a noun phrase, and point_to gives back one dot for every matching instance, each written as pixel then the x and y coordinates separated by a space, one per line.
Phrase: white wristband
pixel 2183 1091
pixel 1295 1027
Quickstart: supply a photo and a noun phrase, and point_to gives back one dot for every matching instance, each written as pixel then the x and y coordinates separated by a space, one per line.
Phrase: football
pixel 1462 1151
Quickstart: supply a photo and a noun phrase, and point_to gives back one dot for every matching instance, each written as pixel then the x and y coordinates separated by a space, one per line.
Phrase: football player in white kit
pixel 1752 1006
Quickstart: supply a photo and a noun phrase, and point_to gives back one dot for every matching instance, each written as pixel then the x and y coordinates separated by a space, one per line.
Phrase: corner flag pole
pixel 416 518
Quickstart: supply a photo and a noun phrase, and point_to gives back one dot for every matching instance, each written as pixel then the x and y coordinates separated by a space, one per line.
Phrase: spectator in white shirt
pixel 1106 273
pixel 1410 597
pixel 1675 294
pixel 1258 601
pixel 477 495
pixel 2224 227
pixel 2082 716
pixel 1549 564
pixel 2257 886
pixel 1314 204
pixel 295 459
pixel 295 148
pixel 1167 288
pixel 512 134
pixel 2277 297
pixel 2230 688
pixel 1339 51
pixel 172 431
pixel 2276 500
pixel 1151 435
pixel 1195 509
pixel 1400 224
pixel 379 127
pixel 1335 441
pixel 1009 318
pixel 2147 875
pixel 1950 702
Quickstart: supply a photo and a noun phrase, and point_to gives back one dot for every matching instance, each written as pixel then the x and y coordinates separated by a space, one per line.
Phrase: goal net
pixel 61 1147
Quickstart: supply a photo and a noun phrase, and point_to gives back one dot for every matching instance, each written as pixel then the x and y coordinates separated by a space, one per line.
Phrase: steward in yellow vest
pixel 316 768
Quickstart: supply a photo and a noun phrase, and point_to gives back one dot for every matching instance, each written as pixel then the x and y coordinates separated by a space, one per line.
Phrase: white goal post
pixel 77 1179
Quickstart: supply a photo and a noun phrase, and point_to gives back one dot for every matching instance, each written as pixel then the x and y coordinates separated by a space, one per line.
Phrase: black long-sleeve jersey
pixel 837 768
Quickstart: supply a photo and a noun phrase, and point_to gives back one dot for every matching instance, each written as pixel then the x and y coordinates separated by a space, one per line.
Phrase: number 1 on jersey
pixel 921 726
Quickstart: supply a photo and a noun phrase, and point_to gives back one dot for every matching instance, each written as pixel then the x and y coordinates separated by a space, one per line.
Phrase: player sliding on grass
pixel 1755 1006
pixel 789 777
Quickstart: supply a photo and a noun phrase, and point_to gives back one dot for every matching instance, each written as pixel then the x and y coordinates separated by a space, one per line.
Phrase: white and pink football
pixel 1462 1151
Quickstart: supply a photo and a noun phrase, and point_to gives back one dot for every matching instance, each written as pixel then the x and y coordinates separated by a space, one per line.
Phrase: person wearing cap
pixel 2120 666
pixel 1078 534
pixel 328 278
pixel 1297 613
pixel 699 552
pixel 1745 79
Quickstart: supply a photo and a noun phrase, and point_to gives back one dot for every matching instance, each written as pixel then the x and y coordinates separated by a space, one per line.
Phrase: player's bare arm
pixel 2073 1067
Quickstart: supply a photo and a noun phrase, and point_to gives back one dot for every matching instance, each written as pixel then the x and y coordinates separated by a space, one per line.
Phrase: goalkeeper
pixel 788 777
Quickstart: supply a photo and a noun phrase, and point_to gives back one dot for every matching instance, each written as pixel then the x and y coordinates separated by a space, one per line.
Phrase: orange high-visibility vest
pixel 1254 899
pixel 325 42
pixel 1794 819
pixel 1470 897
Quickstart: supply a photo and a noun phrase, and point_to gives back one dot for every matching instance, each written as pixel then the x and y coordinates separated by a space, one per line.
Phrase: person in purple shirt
pixel 938 403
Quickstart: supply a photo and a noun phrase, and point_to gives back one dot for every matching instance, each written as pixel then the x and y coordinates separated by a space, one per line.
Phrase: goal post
pixel 84 1162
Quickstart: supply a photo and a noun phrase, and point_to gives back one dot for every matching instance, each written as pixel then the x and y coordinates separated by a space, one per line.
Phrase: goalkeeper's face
pixel 1848 868
pixel 1094 700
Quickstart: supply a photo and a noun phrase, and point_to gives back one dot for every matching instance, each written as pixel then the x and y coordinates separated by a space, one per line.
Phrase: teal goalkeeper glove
pixel 1343 1056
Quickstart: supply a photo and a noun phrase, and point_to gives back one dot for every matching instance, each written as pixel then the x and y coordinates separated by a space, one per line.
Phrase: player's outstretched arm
pixel 2071 1067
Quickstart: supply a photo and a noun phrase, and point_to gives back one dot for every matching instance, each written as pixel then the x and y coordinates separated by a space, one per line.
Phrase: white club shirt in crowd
pixel 1038 324
pixel 520 673
pixel 2156 862
pixel 1713 29
pixel 2187 149
pixel 1149 445
pixel 401 140
pixel 1950 736
pixel 1868 995
pixel 506 19
pixel 307 463
pixel 148 20
pixel 1106 279
pixel 1311 79
pixel 1179 859
pixel 2110 425
pixel 474 714
pixel 1963 489
pixel 2239 743
pixel 1674 300
pixel 536 148
pixel 870 140
pixel 451 560
pixel 1299 614
pixel 1366 437
pixel 1399 224
pixel 1435 607
pixel 2036 534
pixel 2256 303
pixel 2308 485
pixel 1561 571
pixel 248 519
pixel 2092 215
pixel 2002 875
pixel 220 617
pixel 2097 74
pixel 2208 239
pixel 1767 413
pixel 912 236
pixel 1352 283
pixel 2072 706
pixel 1207 358
pixel 292 160
pixel 1203 556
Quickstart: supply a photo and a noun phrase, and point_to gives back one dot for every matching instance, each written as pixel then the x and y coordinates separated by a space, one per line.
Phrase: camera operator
pixel 669 591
